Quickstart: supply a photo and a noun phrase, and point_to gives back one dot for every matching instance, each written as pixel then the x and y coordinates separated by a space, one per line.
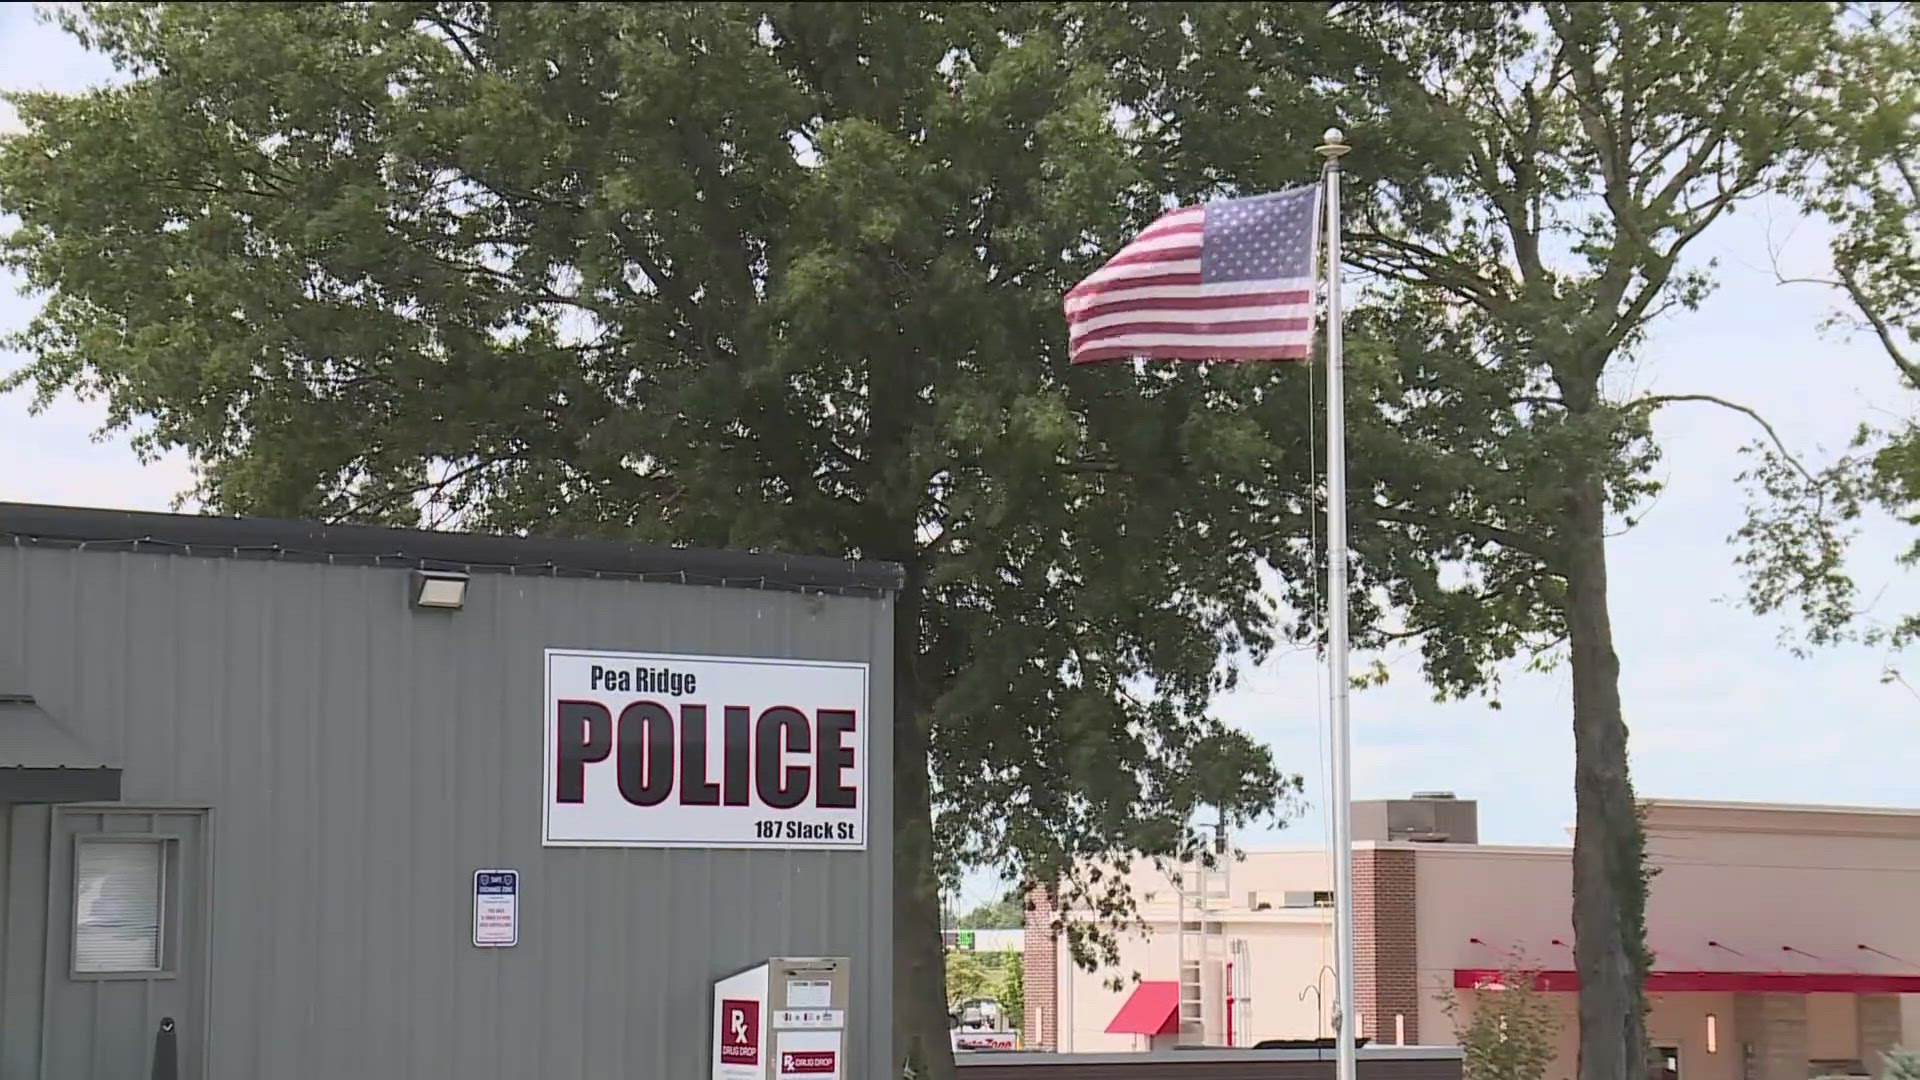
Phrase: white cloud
pixel 65 464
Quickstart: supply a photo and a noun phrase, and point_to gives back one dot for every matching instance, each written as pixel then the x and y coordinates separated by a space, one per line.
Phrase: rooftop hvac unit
pixel 1430 817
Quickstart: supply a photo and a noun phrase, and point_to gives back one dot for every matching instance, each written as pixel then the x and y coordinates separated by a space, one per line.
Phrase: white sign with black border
pixel 663 750
pixel 496 908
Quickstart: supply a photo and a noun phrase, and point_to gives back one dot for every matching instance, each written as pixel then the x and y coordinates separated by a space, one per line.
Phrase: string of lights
pixel 807 583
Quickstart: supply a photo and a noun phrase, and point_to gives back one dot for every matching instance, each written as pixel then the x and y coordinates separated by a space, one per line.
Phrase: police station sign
pixel 663 750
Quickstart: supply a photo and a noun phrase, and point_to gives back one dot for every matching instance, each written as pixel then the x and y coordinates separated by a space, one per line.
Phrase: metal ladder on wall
pixel 1239 992
pixel 1203 951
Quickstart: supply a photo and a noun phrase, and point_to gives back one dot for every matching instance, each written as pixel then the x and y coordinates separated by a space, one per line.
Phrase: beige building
pixel 1786 940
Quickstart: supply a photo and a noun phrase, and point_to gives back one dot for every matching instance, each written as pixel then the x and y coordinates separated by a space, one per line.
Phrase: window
pixel 118 905
pixel 1666 1063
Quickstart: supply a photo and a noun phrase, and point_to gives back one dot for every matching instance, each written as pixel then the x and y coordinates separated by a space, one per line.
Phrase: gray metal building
pixel 260 717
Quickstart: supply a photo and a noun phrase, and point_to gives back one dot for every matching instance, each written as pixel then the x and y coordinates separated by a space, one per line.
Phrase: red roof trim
pixel 1152 1009
pixel 1744 982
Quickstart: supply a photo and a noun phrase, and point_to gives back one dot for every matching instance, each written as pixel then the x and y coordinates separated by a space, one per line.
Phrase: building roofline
pixel 1681 817
pixel 27 524
pixel 1415 845
pixel 1655 803
pixel 1518 851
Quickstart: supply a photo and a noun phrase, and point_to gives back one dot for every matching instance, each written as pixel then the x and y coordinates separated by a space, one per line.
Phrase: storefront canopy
pixel 1152 1009
pixel 42 762
pixel 1739 982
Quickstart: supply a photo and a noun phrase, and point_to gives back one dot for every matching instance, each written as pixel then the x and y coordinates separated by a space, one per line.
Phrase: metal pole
pixel 1345 1027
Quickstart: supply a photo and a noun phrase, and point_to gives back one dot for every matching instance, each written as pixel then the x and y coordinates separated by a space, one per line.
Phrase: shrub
pixel 1511 1033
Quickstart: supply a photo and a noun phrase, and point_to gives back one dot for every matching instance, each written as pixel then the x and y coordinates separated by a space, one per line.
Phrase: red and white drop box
pixel 785 1019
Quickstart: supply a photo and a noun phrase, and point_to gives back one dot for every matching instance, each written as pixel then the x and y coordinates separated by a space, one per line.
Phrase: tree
pixel 1902 1065
pixel 1542 173
pixel 758 275
pixel 969 978
pixel 1508 1032
pixel 1011 992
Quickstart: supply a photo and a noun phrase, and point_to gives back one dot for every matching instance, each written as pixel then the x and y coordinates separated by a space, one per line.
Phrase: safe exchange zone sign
pixel 661 750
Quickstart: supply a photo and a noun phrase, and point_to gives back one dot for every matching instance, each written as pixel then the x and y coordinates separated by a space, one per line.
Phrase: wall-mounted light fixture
pixel 1713 1034
pixel 439 589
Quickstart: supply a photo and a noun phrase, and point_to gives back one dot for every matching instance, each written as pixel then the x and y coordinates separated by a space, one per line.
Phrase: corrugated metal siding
pixel 362 759
pixel 1195 1065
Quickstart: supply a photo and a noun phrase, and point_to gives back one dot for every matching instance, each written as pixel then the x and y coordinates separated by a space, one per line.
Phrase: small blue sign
pixel 497 882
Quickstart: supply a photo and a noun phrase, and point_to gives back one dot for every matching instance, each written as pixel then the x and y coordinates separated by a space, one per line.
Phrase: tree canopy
pixel 971 977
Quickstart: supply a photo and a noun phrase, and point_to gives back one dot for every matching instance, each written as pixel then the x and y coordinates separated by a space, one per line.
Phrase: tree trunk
pixel 920 1033
pixel 1609 891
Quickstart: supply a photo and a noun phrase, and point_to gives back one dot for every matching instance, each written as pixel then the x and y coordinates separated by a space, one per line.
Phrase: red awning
pixel 1152 1009
pixel 1741 982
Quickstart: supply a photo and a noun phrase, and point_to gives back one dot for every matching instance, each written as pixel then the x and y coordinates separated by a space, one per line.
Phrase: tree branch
pixel 358 509
pixel 1654 401
pixel 1906 171
pixel 453 37
pixel 1415 264
pixel 1882 329
pixel 1492 534
pixel 722 222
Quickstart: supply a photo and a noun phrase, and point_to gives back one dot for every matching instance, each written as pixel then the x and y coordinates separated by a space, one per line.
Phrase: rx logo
pixel 807 1062
pixel 739 1032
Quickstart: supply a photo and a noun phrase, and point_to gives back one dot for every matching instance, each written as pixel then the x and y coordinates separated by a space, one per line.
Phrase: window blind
pixel 117 905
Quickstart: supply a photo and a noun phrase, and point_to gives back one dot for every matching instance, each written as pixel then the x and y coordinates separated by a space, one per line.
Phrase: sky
pixel 1718 709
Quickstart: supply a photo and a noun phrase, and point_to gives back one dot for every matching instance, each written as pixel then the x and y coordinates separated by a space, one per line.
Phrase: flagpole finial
pixel 1334 144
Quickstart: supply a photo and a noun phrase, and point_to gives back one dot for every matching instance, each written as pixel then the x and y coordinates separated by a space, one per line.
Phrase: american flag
pixel 1226 280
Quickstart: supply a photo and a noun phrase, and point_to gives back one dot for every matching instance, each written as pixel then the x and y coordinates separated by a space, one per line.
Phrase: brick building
pixel 1786 940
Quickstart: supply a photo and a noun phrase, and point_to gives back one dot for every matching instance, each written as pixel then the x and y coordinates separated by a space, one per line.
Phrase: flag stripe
pixel 1177 327
pixel 1180 337
pixel 1295 351
pixel 1193 309
pixel 1163 236
pixel 1160 271
pixel 1091 288
pixel 1188 250
pixel 1189 232
pixel 1224 292
pixel 1174 220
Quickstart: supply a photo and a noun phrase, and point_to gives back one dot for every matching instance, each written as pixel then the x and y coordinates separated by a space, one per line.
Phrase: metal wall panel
pixel 22 918
pixel 361 759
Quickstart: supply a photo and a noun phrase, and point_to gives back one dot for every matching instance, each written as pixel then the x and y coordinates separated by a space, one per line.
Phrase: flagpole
pixel 1345 1026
